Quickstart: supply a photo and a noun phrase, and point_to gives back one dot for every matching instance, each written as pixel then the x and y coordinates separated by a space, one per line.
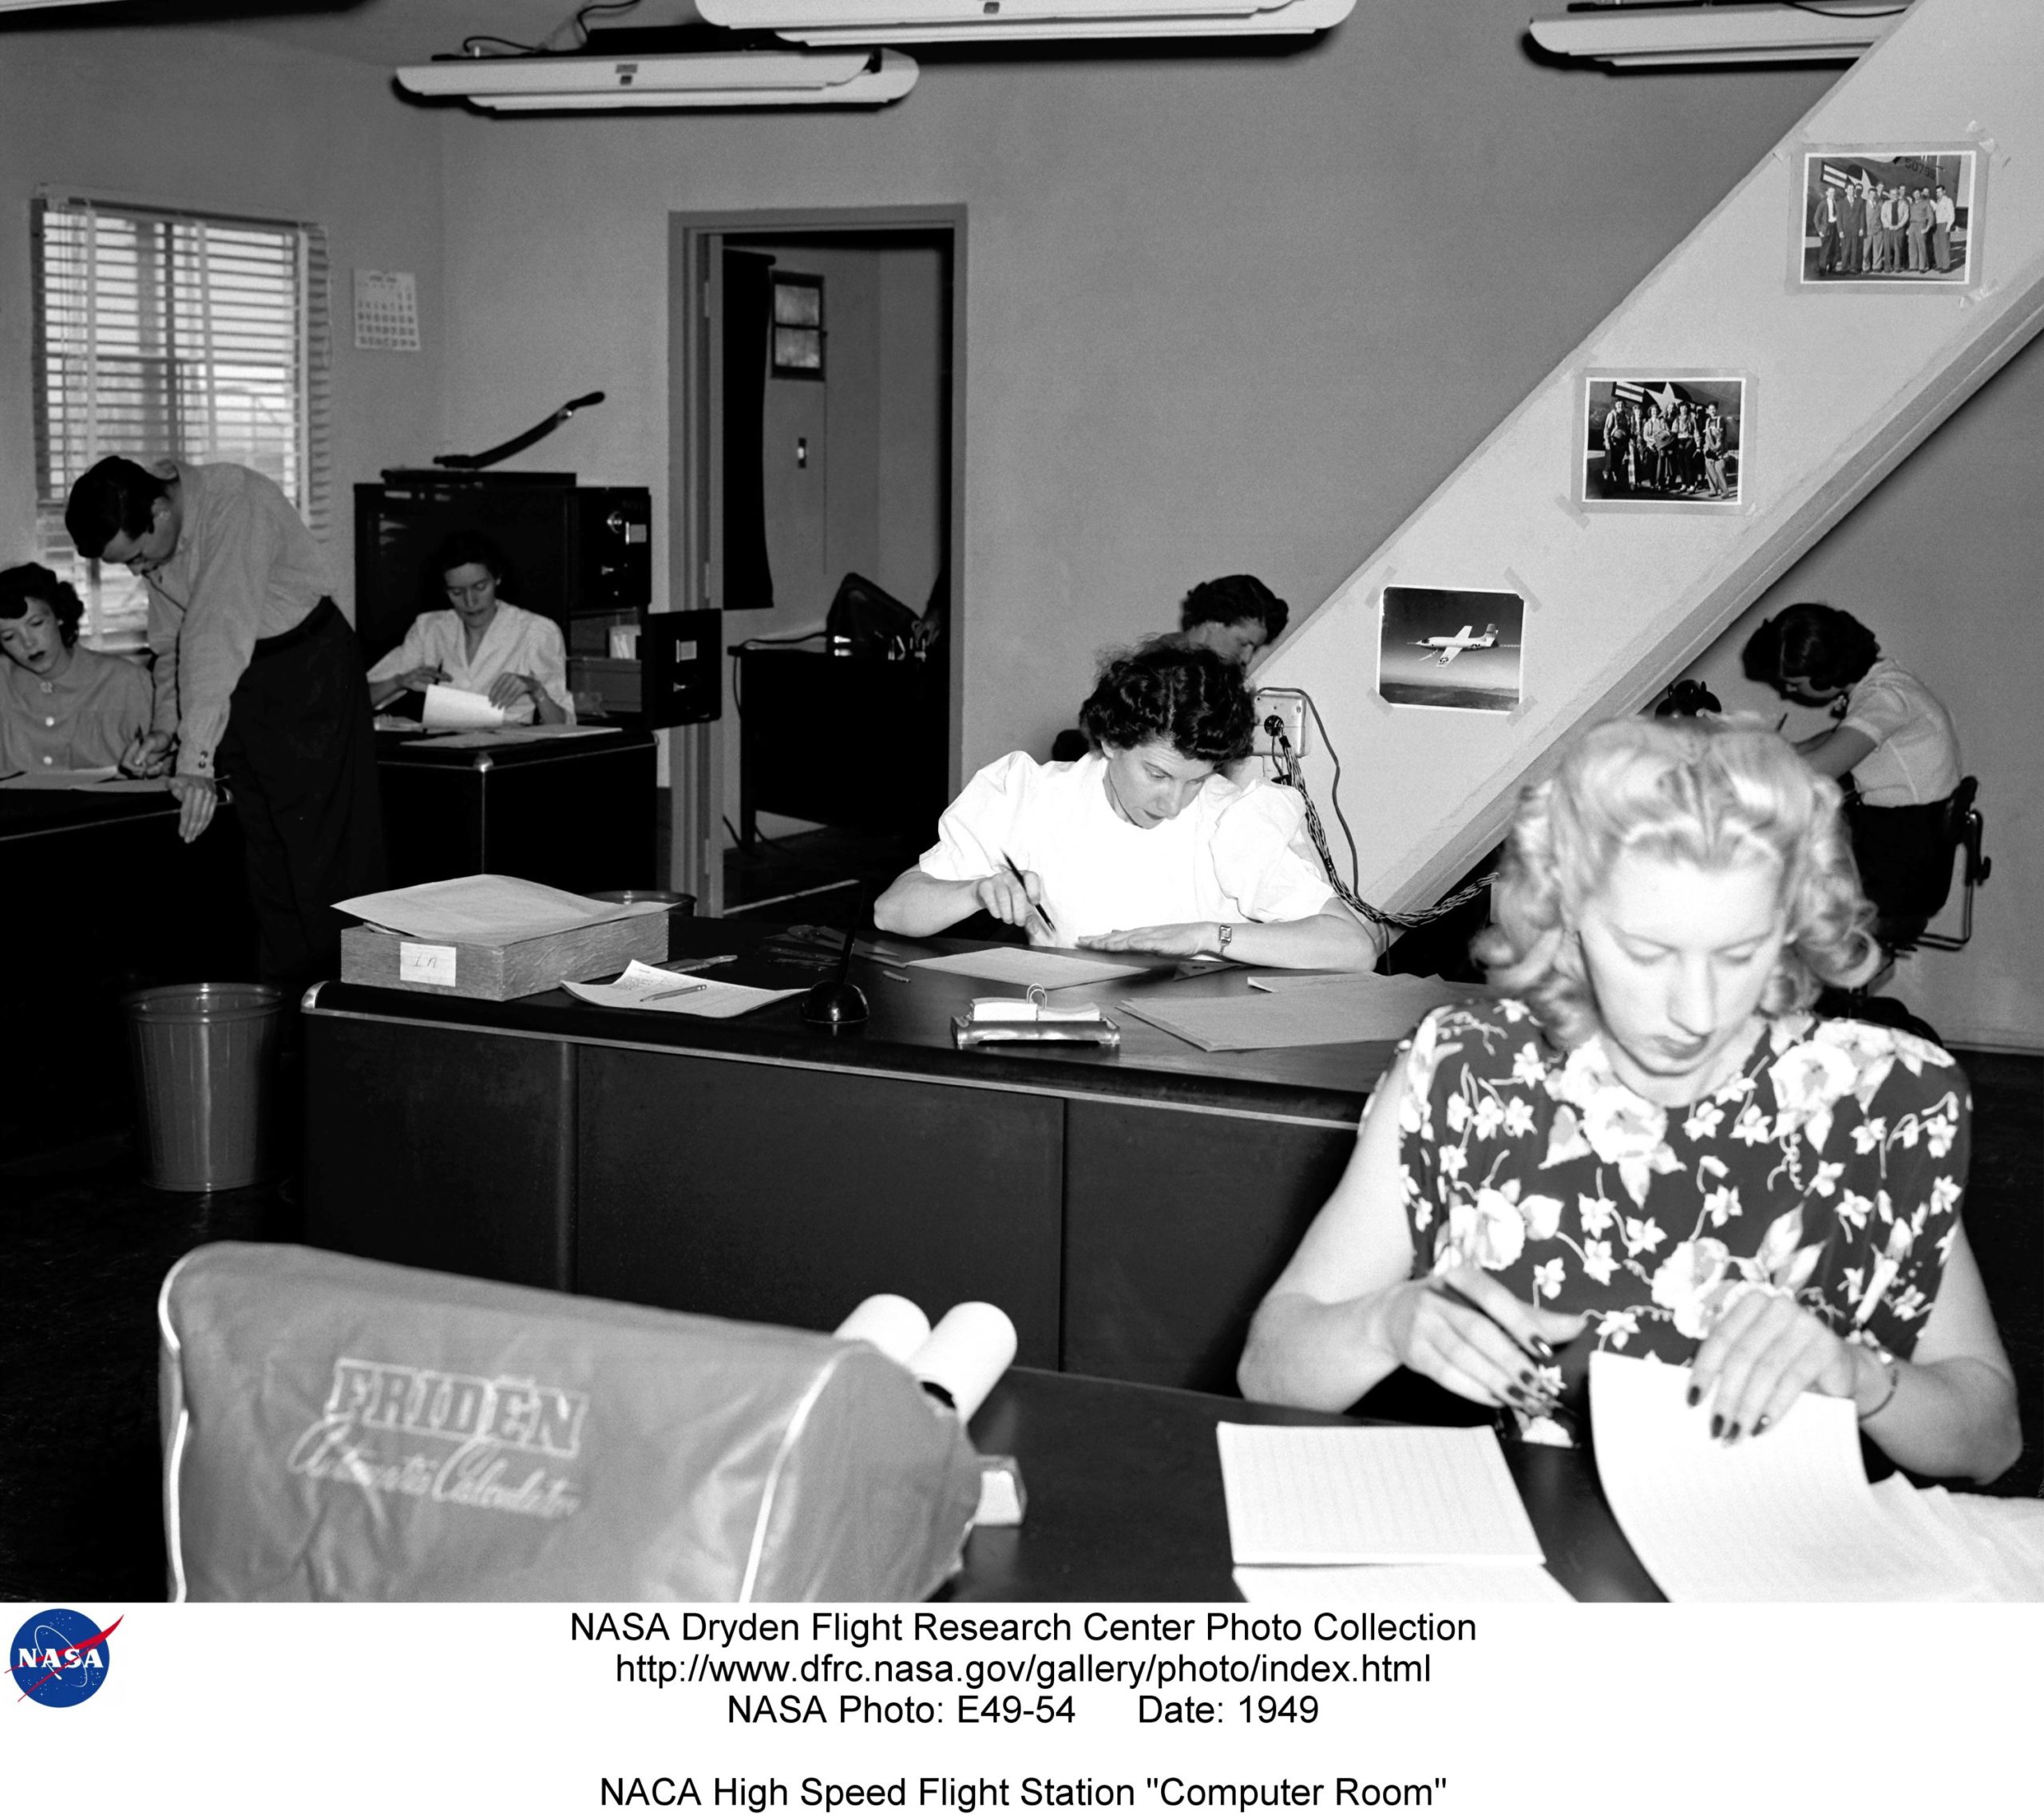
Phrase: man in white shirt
pixel 1142 844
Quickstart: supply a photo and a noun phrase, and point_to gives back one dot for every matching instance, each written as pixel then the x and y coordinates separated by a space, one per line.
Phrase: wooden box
pixel 499 970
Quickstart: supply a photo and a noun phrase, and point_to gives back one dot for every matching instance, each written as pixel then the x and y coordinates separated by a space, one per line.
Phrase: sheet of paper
pixel 1788 1518
pixel 512 735
pixel 1357 1497
pixel 1378 1588
pixel 486 907
pixel 643 987
pixel 2001 1538
pixel 446 707
pixel 1046 967
pixel 1294 1012
pixel 100 779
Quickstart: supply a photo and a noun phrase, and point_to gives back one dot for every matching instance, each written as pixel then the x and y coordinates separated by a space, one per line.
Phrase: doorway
pixel 817 410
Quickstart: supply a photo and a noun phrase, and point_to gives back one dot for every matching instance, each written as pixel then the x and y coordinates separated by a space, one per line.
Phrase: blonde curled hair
pixel 1678 790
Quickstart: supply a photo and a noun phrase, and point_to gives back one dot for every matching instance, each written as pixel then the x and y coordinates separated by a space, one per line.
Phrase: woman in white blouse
pixel 479 644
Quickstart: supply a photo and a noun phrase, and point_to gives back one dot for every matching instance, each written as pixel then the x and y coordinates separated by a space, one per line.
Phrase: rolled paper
pixel 973 1345
pixel 889 1323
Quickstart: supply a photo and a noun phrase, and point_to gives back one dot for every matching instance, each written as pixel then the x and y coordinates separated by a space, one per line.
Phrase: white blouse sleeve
pixel 1256 862
pixel 412 654
pixel 981 825
pixel 548 661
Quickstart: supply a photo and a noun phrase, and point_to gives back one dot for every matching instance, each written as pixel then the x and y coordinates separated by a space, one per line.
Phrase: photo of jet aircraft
pixel 1451 648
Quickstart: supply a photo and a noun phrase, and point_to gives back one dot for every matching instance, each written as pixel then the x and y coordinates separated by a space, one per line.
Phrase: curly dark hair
pixel 31 581
pixel 1831 649
pixel 113 497
pixel 1230 598
pixel 1191 700
pixel 459 548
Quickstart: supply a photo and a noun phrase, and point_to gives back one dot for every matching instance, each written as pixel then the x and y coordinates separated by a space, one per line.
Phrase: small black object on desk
pixel 837 1003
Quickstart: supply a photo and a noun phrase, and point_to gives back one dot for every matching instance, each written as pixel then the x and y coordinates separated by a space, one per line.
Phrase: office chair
pixel 1965 829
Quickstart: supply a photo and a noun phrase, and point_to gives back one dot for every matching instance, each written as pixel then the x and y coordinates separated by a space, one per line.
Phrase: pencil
pixel 1538 1352
pixel 679 991
pixel 1049 926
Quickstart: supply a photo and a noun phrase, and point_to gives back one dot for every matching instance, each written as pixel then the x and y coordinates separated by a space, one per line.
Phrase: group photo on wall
pixel 1650 441
pixel 1887 217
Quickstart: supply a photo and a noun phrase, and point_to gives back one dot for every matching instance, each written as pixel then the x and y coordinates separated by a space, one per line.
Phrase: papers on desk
pixel 1788 1517
pixel 1302 1010
pixel 487 907
pixel 106 780
pixel 1046 967
pixel 643 987
pixel 1429 1588
pixel 1358 1496
pixel 482 737
pixel 452 708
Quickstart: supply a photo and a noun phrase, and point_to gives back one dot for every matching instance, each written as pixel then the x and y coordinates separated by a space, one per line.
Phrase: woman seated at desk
pixel 1652 1138
pixel 1141 844
pixel 63 707
pixel 1893 744
pixel 480 643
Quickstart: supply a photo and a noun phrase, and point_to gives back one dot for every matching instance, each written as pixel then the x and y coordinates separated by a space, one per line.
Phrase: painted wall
pixel 1943 563
pixel 208 120
pixel 1237 311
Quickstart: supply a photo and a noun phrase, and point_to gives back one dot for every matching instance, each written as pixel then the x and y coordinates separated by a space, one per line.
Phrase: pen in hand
pixel 1015 872
pixel 1537 1350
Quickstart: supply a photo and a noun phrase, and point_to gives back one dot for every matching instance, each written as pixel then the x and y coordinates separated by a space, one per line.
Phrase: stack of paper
pixel 1033 966
pixel 1786 1517
pixel 487 907
pixel 1303 1010
pixel 451 707
pixel 1430 1512
pixel 643 987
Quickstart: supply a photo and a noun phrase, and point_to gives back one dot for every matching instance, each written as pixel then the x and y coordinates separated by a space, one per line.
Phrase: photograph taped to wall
pixel 1665 440
pixel 1888 217
pixel 1451 648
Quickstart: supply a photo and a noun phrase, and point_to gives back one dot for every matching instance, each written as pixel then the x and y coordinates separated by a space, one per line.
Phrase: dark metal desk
pixel 100 897
pixel 1125 1499
pixel 1128 1211
pixel 578 814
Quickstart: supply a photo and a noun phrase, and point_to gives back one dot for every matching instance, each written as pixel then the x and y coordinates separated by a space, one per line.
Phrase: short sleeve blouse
pixel 1830 1168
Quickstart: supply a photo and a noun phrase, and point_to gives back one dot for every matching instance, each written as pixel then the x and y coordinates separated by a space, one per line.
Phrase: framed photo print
pixel 1649 441
pixel 1451 648
pixel 1894 217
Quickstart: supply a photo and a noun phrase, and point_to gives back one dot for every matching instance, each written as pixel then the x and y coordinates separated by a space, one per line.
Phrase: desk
pixel 1128 1211
pixel 102 897
pixel 1125 1499
pixel 578 814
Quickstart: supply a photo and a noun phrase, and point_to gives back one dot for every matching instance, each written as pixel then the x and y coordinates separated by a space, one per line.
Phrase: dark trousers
pixel 1905 861
pixel 300 756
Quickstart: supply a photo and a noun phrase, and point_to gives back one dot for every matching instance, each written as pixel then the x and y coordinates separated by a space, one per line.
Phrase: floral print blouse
pixel 1829 1167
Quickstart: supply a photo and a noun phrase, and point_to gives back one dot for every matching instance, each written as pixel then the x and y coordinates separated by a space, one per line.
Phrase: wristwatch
pixel 1227 934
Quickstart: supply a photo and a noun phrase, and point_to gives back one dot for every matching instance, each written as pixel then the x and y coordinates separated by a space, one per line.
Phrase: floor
pixel 84 1246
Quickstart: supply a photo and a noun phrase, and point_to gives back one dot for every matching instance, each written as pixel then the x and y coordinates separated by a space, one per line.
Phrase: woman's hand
pixel 1766 1350
pixel 1503 1355
pixel 509 690
pixel 1006 900
pixel 418 681
pixel 1165 937
pixel 148 756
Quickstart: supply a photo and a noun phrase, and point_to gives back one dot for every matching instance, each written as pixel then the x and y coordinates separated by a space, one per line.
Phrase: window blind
pixel 158 332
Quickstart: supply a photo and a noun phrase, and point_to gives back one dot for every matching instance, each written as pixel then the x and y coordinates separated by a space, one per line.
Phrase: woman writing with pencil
pixel 1142 844
pixel 1651 1140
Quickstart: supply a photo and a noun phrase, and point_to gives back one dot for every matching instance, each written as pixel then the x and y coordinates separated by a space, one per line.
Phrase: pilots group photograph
pixel 1662 441
pixel 1889 216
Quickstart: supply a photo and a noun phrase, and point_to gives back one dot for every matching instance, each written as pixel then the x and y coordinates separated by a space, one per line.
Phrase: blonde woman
pixel 1651 1135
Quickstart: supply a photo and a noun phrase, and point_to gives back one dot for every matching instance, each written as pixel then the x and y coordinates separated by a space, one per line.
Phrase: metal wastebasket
pixel 204 1057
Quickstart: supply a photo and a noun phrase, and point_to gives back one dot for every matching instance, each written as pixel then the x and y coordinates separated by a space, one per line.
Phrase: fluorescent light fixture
pixel 962 22
pixel 723 78
pixel 1650 36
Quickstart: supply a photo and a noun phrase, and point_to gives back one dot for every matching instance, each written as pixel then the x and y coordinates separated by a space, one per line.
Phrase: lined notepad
pixel 1788 1517
pixel 1428 1587
pixel 643 987
pixel 1302 1011
pixel 1354 1497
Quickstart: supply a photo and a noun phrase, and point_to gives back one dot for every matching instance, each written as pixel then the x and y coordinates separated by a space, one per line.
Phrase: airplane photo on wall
pixel 1666 441
pixel 1451 648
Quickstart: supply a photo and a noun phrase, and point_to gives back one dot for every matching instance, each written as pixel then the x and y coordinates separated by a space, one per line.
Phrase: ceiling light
pixel 1648 36
pixel 712 79
pixel 958 22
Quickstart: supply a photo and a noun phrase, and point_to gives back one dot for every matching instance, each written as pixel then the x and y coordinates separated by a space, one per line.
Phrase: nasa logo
pixel 61 1656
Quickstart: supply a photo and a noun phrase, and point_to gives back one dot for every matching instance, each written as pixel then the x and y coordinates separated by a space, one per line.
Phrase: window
pixel 797 327
pixel 161 333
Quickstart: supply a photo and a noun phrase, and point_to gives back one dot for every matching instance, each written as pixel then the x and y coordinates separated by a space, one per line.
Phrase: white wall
pixel 207 120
